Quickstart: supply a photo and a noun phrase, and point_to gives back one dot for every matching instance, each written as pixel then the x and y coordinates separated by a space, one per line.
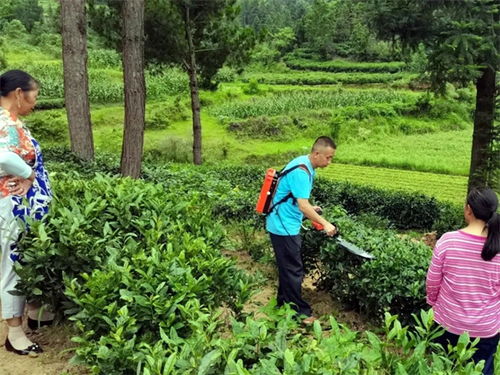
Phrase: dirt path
pixel 320 301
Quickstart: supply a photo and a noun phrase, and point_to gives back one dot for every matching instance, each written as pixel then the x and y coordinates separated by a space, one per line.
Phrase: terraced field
pixel 443 187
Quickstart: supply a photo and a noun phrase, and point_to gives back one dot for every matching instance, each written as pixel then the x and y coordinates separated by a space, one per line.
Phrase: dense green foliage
pixel 138 266
pixel 28 12
pixel 215 35
pixel 461 41
pixel 319 78
pixel 296 101
pixel 343 66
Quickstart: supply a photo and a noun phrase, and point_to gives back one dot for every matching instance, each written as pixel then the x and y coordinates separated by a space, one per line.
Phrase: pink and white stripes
pixel 462 288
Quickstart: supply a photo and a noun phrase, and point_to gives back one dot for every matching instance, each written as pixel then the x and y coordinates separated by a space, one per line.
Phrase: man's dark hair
pixel 323 141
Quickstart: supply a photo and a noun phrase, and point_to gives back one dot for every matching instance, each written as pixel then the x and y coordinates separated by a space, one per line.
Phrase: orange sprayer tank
pixel 267 192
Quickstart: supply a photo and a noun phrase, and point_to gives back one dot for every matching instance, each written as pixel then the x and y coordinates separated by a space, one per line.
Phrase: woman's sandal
pixel 35 349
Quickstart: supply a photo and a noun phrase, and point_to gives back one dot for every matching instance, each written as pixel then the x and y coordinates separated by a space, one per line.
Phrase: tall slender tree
pixel 74 36
pixel 134 86
pixel 200 35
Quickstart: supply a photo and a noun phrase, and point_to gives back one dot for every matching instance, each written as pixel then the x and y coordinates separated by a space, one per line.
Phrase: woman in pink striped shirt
pixel 463 281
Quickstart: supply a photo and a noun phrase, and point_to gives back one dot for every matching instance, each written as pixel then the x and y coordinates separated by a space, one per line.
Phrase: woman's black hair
pixel 13 79
pixel 484 205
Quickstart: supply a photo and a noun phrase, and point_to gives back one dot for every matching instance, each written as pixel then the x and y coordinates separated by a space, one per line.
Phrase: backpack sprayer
pixel 265 202
pixel 350 247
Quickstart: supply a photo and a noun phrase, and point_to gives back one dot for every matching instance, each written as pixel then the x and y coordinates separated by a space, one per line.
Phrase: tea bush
pixel 138 267
pixel 47 103
pixel 49 126
pixel 91 220
pixel 272 344
pixel 403 210
pixel 344 66
pixel 394 281
pixel 324 78
pixel 104 58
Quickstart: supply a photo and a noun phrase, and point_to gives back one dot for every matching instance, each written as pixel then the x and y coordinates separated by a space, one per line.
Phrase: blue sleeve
pixel 300 184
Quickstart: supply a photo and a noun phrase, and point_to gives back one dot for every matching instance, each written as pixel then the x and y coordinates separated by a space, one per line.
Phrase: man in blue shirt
pixel 285 220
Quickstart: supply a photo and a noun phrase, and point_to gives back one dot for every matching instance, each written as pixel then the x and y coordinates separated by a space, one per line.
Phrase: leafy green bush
pixel 324 78
pixel 171 149
pixel 91 220
pixel 49 126
pixel 14 29
pixel 280 128
pixel 3 60
pixel 272 344
pixel 161 115
pixel 344 66
pixel 225 74
pixel 163 81
pixel 47 103
pixel 252 88
pixel 404 210
pixel 104 58
pixel 394 281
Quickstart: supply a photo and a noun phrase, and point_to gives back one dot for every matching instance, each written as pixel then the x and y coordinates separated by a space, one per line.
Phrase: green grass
pixel 443 187
pixel 441 152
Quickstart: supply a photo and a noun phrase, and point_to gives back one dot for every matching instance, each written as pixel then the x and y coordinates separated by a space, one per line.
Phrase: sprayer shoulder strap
pixel 282 174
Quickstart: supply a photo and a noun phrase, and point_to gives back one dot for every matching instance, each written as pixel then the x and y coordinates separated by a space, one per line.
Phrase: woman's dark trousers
pixel 485 349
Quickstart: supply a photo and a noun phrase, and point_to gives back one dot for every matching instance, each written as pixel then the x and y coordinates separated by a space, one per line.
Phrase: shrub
pixel 344 66
pixel 14 29
pixel 47 103
pixel 162 81
pixel 404 210
pixel 225 74
pixel 252 88
pixel 161 115
pixel 95 222
pixel 394 281
pixel 49 126
pixel 3 60
pixel 324 78
pixel 171 149
pixel 104 59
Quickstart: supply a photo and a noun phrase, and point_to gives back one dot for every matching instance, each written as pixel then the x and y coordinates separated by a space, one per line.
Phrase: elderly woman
pixel 24 192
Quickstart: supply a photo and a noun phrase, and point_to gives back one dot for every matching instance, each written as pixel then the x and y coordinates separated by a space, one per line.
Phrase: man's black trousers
pixel 291 272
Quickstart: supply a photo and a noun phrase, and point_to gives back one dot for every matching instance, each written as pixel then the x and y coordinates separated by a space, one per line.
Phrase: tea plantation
pixel 143 271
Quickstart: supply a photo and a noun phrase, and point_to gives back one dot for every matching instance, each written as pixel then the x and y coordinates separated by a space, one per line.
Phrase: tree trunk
pixel 76 87
pixel 482 160
pixel 195 96
pixel 134 86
